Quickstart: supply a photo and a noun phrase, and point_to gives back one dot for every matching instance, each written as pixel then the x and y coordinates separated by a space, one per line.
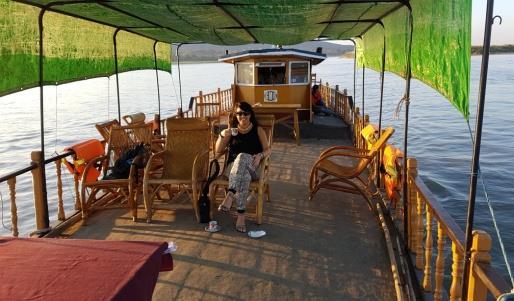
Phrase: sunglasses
pixel 243 113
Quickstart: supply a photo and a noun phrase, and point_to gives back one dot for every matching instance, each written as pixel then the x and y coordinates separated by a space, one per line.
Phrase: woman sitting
pixel 247 146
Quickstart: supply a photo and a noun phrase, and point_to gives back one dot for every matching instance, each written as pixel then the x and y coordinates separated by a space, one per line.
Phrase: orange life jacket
pixel 392 176
pixel 84 152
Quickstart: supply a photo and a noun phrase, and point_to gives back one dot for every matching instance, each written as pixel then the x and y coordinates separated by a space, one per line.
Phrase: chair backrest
pixel 186 138
pixel 381 142
pixel 124 137
pixel 134 119
pixel 104 128
pixel 267 123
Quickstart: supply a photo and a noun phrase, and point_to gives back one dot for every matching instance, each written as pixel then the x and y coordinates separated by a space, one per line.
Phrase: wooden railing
pixel 431 229
pixel 41 207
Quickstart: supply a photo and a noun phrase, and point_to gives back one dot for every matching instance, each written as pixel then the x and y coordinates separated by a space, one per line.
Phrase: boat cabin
pixel 274 76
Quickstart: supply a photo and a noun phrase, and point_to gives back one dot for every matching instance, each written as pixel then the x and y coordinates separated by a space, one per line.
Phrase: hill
pixel 477 50
pixel 207 52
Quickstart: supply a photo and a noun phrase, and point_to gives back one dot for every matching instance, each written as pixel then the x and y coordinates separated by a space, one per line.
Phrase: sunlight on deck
pixel 328 249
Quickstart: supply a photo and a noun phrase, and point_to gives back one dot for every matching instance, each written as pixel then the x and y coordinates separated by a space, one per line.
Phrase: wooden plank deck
pixel 329 249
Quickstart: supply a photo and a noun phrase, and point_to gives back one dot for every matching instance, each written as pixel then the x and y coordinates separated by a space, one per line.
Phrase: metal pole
pixel 363 73
pixel 405 140
pixel 476 146
pixel 354 71
pixel 45 215
pixel 382 71
pixel 157 76
pixel 116 69
pixel 179 80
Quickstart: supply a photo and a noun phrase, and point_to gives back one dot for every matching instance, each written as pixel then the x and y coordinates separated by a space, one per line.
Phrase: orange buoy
pixel 392 175
pixel 85 152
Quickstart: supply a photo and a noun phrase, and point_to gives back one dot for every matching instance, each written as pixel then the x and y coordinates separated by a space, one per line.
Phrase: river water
pixel 438 135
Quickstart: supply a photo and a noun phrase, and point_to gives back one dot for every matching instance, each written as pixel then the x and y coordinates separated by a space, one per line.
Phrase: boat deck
pixel 329 249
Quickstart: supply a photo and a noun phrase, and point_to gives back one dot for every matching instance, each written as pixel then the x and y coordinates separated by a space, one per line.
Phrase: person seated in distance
pixel 318 106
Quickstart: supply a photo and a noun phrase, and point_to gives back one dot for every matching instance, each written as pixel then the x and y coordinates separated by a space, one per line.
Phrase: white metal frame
pixel 236 74
pixel 308 73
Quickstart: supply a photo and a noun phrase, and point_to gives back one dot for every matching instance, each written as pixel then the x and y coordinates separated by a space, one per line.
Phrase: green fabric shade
pixel 76 48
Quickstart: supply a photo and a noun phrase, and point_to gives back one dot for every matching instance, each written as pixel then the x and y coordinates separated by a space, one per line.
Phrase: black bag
pixel 121 168
pixel 204 204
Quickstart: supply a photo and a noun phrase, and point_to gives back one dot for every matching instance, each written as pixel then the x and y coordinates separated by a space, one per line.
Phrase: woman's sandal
pixel 240 227
pixel 225 206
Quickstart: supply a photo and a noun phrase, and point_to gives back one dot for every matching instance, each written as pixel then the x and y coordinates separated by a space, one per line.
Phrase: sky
pixel 501 34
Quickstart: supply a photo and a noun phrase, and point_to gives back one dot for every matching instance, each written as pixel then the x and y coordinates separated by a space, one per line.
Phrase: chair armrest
pixel 92 164
pixel 264 165
pixel 351 154
pixel 343 147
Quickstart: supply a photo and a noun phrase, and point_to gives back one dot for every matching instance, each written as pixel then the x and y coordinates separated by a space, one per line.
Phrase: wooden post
pixel 427 277
pixel 40 204
pixel 419 231
pixel 439 264
pixel 14 209
pixel 218 98
pixel 200 102
pixel 233 100
pixel 457 271
pixel 480 248
pixel 60 206
pixel 412 168
pixel 78 203
pixel 157 124
pixel 336 103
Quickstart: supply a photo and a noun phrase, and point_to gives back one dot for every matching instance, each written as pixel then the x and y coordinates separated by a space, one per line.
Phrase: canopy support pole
pixel 406 99
pixel 489 20
pixel 179 79
pixel 157 76
pixel 45 216
pixel 382 71
pixel 116 70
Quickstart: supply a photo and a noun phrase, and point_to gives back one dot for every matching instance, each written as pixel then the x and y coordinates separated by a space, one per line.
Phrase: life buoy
pixel 392 175
pixel 84 152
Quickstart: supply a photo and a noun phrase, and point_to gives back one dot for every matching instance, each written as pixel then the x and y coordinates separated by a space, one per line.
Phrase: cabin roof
pixel 314 57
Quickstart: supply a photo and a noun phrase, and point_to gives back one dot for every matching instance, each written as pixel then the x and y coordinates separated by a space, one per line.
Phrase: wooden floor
pixel 329 249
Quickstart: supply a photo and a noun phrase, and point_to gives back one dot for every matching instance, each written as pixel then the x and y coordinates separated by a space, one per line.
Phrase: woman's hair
pixel 244 106
pixel 314 89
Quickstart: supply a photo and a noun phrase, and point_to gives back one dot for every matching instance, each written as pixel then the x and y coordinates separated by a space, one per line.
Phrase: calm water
pixel 438 134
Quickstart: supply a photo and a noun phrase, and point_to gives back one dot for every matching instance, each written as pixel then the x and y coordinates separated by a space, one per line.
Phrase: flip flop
pixel 222 207
pixel 212 230
pixel 257 234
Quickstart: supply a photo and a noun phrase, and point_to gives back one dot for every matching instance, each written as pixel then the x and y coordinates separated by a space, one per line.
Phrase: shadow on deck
pixel 329 249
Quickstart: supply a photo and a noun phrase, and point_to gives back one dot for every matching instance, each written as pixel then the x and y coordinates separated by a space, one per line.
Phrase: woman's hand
pixel 256 160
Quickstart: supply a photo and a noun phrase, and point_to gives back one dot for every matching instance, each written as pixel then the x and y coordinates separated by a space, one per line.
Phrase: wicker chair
pixel 343 168
pixel 259 186
pixel 121 139
pixel 104 128
pixel 184 161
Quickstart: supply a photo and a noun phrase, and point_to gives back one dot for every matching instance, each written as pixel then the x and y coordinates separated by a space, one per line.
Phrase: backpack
pixel 121 168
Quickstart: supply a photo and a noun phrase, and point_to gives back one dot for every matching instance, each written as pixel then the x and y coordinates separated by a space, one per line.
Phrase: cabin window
pixel 299 73
pixel 271 73
pixel 244 73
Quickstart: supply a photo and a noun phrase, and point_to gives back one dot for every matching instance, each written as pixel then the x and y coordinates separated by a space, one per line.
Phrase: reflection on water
pixel 438 134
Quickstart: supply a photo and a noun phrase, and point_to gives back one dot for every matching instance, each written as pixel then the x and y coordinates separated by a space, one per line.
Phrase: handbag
pixel 204 203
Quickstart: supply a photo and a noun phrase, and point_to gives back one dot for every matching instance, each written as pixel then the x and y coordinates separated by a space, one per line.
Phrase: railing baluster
pixel 419 231
pixel 477 291
pixel 439 264
pixel 427 279
pixel 457 270
pixel 14 210
pixel 78 204
pixel 60 207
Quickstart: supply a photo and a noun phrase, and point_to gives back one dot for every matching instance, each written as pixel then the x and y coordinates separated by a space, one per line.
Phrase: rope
pixel 55 140
pixel 3 224
pixel 175 89
pixel 396 113
pixel 109 96
pixel 491 210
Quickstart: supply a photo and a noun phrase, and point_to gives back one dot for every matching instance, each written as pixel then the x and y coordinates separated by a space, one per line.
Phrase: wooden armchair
pixel 104 128
pixel 121 139
pixel 184 161
pixel 259 186
pixel 343 168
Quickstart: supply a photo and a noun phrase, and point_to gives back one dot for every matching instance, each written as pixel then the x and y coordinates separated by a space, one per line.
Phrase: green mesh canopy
pixel 78 35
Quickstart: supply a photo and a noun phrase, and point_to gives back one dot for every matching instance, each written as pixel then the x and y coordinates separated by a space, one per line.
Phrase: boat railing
pixel 37 168
pixel 432 233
